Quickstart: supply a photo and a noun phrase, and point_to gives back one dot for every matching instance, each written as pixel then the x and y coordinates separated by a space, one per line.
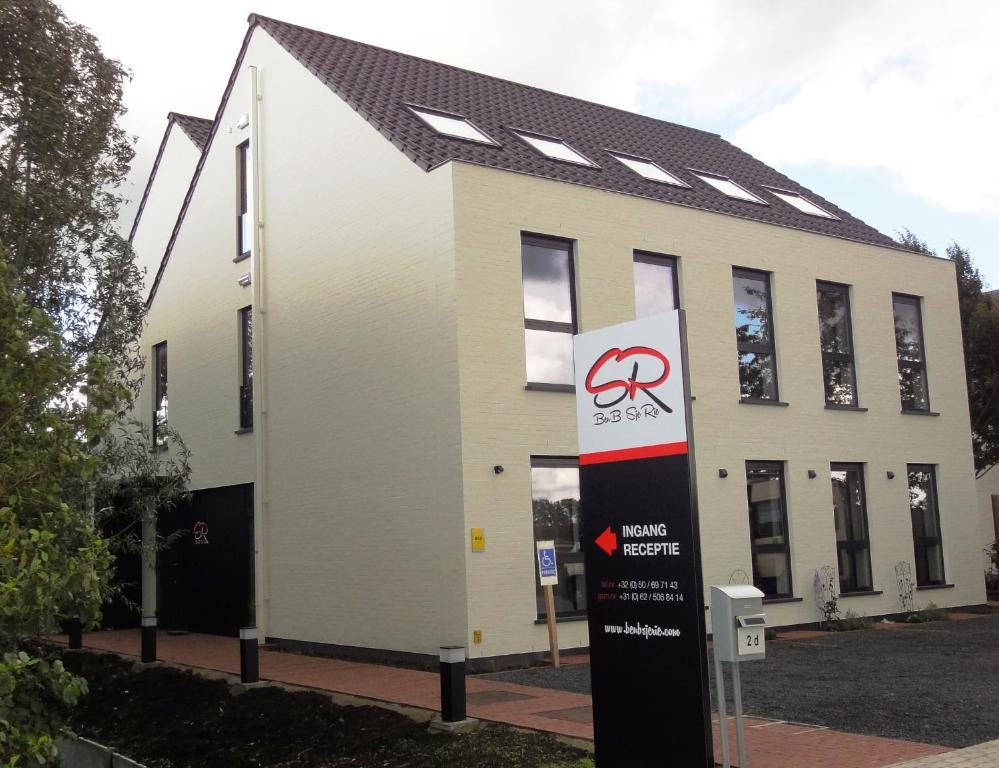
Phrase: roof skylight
pixel 556 149
pixel 452 125
pixel 648 169
pixel 728 187
pixel 801 203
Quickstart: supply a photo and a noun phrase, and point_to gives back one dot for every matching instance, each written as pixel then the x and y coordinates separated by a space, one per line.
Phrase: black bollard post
pixel 74 628
pixel 249 663
pixel 452 683
pixel 148 639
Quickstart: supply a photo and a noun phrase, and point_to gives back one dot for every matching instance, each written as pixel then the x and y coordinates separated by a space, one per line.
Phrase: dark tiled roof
pixel 196 128
pixel 377 83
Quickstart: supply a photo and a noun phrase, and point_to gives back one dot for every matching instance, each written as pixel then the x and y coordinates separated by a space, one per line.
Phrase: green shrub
pixel 932 612
pixel 849 623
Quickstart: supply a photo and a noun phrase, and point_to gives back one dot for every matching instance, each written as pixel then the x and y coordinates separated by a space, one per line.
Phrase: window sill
pixel 862 593
pixel 773 600
pixel 911 412
pixel 935 586
pixel 542 387
pixel 756 401
pixel 241 257
pixel 560 619
pixel 243 430
pixel 845 408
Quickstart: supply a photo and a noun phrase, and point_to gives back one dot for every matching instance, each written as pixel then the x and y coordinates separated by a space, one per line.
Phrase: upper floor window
pixel 726 186
pixel 451 125
pixel 850 516
pixel 803 204
pixel 836 342
pixel 246 368
pixel 555 504
pixel 912 383
pixel 244 233
pixel 160 403
pixel 754 335
pixel 655 284
pixel 648 169
pixel 925 525
pixel 549 309
pixel 556 149
pixel 768 536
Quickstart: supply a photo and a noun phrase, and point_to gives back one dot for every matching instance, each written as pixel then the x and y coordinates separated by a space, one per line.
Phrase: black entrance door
pixel 206 576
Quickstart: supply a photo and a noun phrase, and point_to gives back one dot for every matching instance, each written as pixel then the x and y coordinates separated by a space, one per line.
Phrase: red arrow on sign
pixel 607 541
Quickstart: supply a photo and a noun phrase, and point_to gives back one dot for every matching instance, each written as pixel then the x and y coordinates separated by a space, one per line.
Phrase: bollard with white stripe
pixel 148 639
pixel 249 664
pixel 452 683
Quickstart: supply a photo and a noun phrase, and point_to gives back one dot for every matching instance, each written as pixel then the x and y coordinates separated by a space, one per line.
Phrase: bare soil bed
pixel 167 718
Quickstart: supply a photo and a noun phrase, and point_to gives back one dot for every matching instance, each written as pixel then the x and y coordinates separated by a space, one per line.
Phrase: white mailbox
pixel 738 624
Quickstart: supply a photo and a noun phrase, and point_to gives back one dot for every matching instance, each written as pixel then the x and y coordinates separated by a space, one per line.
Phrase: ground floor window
pixel 555 504
pixel 850 515
pixel 768 528
pixel 925 525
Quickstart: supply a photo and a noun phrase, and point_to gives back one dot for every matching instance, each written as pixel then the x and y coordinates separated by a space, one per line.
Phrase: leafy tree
pixel 980 331
pixel 71 311
pixel 63 157
pixel 53 563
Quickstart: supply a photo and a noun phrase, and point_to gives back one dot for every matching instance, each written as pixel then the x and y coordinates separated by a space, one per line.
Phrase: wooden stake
pixel 552 631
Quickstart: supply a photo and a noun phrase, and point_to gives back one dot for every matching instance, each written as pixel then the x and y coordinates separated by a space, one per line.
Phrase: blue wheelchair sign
pixel 547 565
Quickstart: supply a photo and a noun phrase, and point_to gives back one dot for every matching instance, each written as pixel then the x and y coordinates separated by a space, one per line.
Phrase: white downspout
pixel 261 501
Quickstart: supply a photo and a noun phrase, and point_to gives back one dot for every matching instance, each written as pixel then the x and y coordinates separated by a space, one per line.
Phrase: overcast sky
pixel 889 108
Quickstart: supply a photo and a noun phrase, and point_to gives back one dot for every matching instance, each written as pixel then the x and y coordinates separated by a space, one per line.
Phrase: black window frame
pixel 743 347
pixel 658 259
pixel 242 197
pixel 551 326
pixel 910 363
pixel 161 388
pixel 825 286
pixel 246 368
pixel 757 549
pixel 852 585
pixel 556 462
pixel 921 544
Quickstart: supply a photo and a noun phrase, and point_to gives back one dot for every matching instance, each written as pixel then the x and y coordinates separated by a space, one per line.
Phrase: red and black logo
pixel 650 363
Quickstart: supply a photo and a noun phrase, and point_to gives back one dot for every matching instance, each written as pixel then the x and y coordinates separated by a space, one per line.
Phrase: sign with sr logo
pixel 648 653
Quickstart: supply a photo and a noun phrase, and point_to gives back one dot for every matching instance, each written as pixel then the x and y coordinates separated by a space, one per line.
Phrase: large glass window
pixel 160 403
pixel 912 383
pixel 768 528
pixel 244 234
pixel 754 335
pixel 836 341
pixel 925 525
pixel 655 284
pixel 850 515
pixel 549 311
pixel 555 501
pixel 246 368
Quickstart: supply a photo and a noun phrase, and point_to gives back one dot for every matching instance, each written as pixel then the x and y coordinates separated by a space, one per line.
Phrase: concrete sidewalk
pixel 769 744
pixel 979 756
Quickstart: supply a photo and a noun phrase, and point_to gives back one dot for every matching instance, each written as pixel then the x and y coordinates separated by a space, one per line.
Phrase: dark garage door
pixel 205 579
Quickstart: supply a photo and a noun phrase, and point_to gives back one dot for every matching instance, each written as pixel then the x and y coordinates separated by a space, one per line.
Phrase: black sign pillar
pixel 645 598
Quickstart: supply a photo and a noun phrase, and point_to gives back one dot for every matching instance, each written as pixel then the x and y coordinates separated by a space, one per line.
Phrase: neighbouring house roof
pixel 197 129
pixel 379 83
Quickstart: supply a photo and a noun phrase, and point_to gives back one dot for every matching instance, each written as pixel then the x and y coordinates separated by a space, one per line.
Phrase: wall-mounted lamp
pixel 890 475
pixel 722 473
pixel 812 474
pixel 244 279
pixel 498 469
pixel 244 120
